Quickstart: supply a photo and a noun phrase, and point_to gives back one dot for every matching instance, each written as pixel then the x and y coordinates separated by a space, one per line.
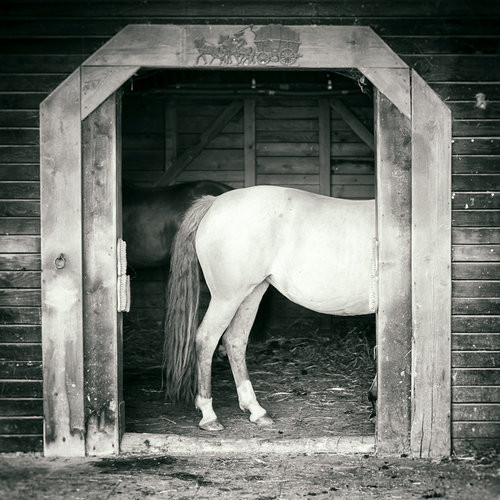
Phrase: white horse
pixel 318 251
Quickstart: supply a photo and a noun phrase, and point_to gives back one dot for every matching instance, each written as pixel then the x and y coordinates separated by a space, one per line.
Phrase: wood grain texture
pixel 47 34
pixel 19 262
pixel 354 122
pixel 476 378
pixel 16 370
pixel 394 83
pixel 158 9
pixel 21 407
pixel 475 324
pixel 170 133
pixel 480 341
pixel 476 359
pixel 476 394
pixel 394 317
pixel 30 443
pixel 101 230
pixel 20 334
pixel 98 83
pixel 324 145
pixel 61 194
pixel 207 135
pixel 173 46
pixel 431 272
pixel 249 142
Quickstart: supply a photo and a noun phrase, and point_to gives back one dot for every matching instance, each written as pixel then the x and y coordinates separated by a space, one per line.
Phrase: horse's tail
pixel 179 359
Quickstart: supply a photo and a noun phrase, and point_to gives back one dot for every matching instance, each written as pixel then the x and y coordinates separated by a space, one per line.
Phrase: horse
pixel 152 216
pixel 320 252
pixel 208 49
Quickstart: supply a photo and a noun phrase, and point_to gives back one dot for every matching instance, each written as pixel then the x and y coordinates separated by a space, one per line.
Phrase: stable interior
pixel 310 371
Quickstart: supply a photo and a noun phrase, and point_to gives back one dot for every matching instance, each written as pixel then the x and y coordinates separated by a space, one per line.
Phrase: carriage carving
pixel 272 44
pixel 276 43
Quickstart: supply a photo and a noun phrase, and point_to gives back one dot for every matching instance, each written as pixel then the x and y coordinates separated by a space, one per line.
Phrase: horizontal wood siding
pixel 475 269
pixel 21 400
pixel 452 45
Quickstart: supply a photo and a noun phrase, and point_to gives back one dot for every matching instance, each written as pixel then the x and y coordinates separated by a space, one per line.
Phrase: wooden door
pixel 102 336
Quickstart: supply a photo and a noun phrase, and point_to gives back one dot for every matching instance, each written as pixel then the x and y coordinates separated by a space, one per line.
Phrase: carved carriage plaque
pixel 269 45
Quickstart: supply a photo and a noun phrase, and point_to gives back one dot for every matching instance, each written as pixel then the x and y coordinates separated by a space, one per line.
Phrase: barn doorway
pixel 313 130
pixel 80 136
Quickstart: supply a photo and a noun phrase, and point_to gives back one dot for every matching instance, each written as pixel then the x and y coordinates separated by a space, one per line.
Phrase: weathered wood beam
pixel 393 82
pixel 394 316
pixel 61 256
pixel 431 270
pixel 354 122
pixel 321 47
pixel 210 133
pixel 101 133
pixel 249 143
pixel 99 82
pixel 325 170
pixel 170 133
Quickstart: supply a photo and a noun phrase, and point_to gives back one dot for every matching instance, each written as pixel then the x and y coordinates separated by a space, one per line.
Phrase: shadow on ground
pixel 262 477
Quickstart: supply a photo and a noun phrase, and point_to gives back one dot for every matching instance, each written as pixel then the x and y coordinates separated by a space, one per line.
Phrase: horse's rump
pixel 318 251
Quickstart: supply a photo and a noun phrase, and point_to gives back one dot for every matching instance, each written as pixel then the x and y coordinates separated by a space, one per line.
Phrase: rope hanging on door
pixel 123 281
pixel 373 298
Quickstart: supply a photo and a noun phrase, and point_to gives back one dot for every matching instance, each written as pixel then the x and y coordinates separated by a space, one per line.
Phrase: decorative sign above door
pixel 269 45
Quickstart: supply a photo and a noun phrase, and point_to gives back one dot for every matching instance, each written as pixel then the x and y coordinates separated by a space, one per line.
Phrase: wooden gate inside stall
pixel 80 194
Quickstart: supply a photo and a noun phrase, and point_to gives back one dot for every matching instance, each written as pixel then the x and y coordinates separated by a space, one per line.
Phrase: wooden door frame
pixel 413 135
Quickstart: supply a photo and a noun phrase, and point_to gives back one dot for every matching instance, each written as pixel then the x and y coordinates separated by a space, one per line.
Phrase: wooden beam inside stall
pixel 249 142
pixel 170 133
pixel 325 183
pixel 394 325
pixel 102 323
pixel 207 135
pixel 354 122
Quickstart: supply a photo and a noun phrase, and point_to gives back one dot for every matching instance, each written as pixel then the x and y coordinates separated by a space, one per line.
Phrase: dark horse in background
pixel 152 216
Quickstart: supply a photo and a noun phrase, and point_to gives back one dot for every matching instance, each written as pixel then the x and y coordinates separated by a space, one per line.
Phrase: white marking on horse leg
pixel 235 340
pixel 248 401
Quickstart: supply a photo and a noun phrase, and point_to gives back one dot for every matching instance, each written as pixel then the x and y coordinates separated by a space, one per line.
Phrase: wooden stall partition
pixel 287 143
pixel 210 133
pixel 61 259
pixel 393 158
pixel 170 132
pixel 324 146
pixel 101 133
pixel 431 273
pixel 249 142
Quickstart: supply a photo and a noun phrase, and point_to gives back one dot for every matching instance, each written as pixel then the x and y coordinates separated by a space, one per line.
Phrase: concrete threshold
pixel 184 445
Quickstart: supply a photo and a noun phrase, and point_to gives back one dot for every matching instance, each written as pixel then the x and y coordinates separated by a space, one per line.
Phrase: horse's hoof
pixel 212 426
pixel 264 421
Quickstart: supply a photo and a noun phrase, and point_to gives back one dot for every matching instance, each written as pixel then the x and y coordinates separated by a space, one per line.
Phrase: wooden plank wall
pixel 452 45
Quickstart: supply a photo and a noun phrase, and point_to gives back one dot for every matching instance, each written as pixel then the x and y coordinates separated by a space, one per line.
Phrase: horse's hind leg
pixel 235 340
pixel 216 320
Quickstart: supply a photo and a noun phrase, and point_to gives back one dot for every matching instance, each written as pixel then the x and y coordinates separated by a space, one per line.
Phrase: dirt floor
pixel 262 477
pixel 313 382
pixel 314 385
